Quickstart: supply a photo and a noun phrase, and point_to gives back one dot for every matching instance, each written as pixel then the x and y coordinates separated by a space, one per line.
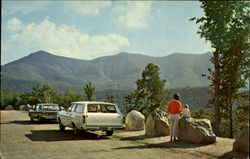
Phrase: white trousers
pixel 173 119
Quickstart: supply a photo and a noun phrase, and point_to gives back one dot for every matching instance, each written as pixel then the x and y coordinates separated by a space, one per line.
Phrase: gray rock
pixel 198 131
pixel 241 144
pixel 134 121
pixel 157 123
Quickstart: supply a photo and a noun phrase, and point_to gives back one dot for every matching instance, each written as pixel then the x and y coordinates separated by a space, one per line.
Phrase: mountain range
pixel 117 72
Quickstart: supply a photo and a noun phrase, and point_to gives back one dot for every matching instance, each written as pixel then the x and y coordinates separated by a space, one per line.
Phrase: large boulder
pixel 134 121
pixel 241 144
pixel 157 123
pixel 9 107
pixel 198 131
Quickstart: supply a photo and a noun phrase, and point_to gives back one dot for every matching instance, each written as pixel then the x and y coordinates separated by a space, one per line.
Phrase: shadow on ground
pixel 167 144
pixel 234 155
pixel 67 135
pixel 28 122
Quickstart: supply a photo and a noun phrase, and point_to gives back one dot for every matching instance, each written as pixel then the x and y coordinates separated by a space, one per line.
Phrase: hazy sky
pixel 87 30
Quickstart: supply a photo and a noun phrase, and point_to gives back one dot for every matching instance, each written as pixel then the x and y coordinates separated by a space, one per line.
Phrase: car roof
pixel 91 102
pixel 47 104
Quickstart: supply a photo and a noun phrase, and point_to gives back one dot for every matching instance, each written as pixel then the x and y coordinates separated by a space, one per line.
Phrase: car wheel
pixel 40 119
pixel 109 133
pixel 61 126
pixel 31 119
pixel 75 130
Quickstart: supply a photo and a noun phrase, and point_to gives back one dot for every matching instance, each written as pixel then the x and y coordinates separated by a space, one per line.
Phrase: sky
pixel 91 29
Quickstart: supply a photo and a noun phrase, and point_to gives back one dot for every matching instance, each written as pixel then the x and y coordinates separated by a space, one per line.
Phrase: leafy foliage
pixel 9 98
pixel 150 93
pixel 44 93
pixel 110 98
pixel 240 116
pixel 89 91
pixel 226 25
pixel 67 98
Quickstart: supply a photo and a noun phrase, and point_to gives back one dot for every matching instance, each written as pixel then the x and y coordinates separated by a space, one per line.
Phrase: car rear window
pixel 108 108
pixel 50 107
pixel 104 108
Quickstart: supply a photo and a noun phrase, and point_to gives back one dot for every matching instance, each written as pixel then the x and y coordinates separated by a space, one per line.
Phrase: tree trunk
pixel 217 93
pixel 231 121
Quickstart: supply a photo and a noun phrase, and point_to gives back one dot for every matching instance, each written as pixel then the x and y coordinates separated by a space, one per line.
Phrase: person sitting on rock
pixel 186 112
pixel 174 110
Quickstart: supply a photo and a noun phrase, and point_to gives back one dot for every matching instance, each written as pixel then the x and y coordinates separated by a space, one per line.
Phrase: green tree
pixel 68 97
pixel 226 25
pixel 150 92
pixel 10 98
pixel 110 98
pixel 44 93
pixel 89 91
pixel 241 113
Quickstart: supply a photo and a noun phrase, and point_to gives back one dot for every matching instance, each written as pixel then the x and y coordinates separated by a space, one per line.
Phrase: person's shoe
pixel 171 139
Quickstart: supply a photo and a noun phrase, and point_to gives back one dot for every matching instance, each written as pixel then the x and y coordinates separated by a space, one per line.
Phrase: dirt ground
pixel 22 139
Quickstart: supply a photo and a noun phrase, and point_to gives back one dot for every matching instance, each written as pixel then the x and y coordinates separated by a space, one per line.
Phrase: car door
pixel 93 117
pixel 64 116
pixel 111 115
pixel 77 115
pixel 70 113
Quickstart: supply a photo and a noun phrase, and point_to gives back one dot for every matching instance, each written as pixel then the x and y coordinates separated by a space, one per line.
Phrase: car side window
pixel 92 108
pixel 108 109
pixel 38 107
pixel 74 108
pixel 79 108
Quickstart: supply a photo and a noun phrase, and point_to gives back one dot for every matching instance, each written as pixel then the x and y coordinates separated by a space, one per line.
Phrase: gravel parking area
pixel 23 139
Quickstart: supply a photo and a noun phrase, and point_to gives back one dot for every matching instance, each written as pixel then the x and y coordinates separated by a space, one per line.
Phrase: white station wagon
pixel 91 115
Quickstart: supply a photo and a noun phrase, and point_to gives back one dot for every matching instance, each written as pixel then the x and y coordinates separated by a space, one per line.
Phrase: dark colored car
pixel 44 111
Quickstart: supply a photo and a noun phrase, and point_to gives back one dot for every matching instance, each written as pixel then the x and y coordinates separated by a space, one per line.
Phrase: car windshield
pixel 50 107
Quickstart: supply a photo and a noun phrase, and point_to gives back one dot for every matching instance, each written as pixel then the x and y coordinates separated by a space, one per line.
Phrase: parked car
pixel 91 115
pixel 44 111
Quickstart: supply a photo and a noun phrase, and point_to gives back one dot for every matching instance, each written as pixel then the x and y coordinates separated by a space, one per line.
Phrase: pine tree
pixel 150 92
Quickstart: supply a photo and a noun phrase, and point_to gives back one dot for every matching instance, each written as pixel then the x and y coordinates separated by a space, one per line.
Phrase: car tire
pixel 40 119
pixel 75 130
pixel 109 133
pixel 61 126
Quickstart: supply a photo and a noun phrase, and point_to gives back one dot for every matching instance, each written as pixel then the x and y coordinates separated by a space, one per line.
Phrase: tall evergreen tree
pixel 150 92
pixel 226 25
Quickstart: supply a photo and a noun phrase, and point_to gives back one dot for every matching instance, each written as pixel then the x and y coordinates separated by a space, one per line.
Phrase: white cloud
pixel 11 7
pixel 85 7
pixel 135 14
pixel 62 40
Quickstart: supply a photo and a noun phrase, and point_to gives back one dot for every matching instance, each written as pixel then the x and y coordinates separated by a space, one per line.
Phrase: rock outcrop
pixel 157 123
pixel 134 121
pixel 241 143
pixel 198 131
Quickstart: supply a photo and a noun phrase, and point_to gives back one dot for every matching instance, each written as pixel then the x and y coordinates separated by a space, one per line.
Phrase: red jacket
pixel 174 107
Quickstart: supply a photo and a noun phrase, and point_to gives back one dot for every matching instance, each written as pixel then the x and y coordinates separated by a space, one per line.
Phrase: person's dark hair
pixel 176 96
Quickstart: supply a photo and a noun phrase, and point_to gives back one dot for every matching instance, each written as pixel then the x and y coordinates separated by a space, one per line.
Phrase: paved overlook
pixel 22 139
